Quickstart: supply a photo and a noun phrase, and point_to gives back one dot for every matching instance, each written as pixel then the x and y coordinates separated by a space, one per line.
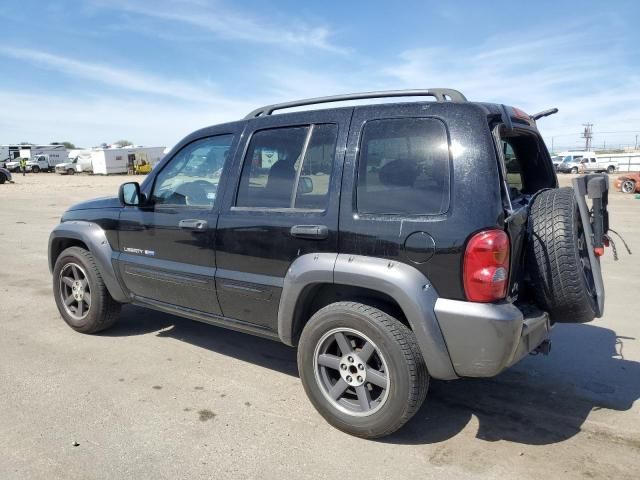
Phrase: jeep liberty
pixel 390 243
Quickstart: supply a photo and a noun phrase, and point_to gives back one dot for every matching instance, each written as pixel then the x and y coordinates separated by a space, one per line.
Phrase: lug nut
pixel 349 379
pixel 343 366
pixel 360 366
pixel 350 359
pixel 359 378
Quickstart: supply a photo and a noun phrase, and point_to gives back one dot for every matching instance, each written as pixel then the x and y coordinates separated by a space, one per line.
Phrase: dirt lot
pixel 162 397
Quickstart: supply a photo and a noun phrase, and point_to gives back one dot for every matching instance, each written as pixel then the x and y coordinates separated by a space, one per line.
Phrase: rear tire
pixel 611 169
pixel 3 178
pixel 395 379
pixel 35 169
pixel 574 170
pixel 71 171
pixel 80 293
pixel 558 260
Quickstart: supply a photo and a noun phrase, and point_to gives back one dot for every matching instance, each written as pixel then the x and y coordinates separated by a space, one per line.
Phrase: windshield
pixel 571 158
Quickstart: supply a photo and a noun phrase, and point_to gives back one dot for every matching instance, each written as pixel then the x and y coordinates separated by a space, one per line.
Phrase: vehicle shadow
pixel 541 400
pixel 249 348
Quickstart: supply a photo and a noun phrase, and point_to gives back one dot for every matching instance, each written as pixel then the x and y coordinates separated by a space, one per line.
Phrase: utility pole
pixel 587 134
pixel 636 147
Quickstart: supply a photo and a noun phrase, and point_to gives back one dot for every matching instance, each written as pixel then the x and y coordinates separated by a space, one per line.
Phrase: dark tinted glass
pixel 403 167
pixel 274 166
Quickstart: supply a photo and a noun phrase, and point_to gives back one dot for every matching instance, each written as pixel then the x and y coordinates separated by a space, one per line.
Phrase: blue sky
pixel 154 70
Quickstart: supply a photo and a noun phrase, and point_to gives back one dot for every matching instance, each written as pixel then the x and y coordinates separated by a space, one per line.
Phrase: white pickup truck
pixel 592 163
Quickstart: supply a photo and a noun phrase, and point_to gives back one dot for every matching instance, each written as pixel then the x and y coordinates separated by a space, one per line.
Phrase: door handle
pixel 311 232
pixel 193 224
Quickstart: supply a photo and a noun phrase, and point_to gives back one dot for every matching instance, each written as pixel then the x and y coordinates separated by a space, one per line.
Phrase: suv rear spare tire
pixel 558 260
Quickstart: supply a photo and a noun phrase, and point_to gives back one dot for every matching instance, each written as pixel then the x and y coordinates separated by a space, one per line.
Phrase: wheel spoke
pixel 366 352
pixel 76 273
pixel 84 282
pixel 87 298
pixel 377 378
pixel 80 309
pixel 364 397
pixel 330 361
pixel 338 389
pixel 67 281
pixel 343 343
pixel 69 300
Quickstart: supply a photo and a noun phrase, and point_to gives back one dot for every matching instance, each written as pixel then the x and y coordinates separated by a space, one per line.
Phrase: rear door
pixel 284 205
pixel 167 245
pixel 396 190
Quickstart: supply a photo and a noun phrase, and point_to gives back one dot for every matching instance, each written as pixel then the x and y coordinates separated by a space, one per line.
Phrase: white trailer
pixel 625 162
pixel 123 160
pixel 108 161
pixel 55 153
pixel 9 153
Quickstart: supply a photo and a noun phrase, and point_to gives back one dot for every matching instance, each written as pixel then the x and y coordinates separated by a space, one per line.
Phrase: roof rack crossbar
pixel 440 94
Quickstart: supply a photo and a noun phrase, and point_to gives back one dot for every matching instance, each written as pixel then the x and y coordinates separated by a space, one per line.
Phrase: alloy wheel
pixel 628 186
pixel 351 372
pixel 74 291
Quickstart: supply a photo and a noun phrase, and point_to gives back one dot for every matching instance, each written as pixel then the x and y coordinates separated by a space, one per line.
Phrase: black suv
pixel 390 243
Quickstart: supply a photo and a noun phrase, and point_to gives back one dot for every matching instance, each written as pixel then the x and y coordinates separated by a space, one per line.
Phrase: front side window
pixel 288 168
pixel 191 177
pixel 403 168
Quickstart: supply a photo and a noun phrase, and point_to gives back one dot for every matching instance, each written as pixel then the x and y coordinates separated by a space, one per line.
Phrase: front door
pixel 167 245
pixel 284 205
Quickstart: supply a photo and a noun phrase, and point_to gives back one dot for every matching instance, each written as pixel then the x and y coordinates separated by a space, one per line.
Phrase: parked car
pixel 571 161
pixel 5 175
pixel 628 183
pixel 592 163
pixel 395 267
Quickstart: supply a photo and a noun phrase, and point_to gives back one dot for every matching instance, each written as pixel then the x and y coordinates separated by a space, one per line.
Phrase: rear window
pixel 403 167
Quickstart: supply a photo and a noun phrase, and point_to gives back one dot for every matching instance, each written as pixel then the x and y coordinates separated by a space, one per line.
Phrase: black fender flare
pixel 94 237
pixel 413 292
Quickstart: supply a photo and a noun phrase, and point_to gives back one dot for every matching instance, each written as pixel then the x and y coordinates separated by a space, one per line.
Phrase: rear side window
pixel 288 168
pixel 403 168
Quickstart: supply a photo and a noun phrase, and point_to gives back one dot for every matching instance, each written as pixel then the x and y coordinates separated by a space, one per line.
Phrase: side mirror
pixel 305 185
pixel 129 194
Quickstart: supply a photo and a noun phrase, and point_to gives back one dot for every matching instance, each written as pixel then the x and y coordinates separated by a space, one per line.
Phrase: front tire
pixel 362 369
pixel 35 169
pixel 574 170
pixel 611 169
pixel 80 293
pixel 71 171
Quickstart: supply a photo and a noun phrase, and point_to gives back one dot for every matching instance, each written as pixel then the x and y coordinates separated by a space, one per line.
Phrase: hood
pixel 103 202
pixel 64 164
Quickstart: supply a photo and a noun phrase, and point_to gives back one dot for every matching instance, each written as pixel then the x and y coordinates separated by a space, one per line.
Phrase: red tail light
pixel 486 266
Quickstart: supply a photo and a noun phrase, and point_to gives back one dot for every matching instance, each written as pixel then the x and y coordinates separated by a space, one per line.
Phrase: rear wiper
pixel 544 113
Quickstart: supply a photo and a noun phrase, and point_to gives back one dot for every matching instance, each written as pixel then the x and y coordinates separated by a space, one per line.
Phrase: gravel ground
pixel 162 397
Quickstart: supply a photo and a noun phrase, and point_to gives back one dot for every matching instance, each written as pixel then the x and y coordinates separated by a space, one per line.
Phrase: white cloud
pixel 125 78
pixel 232 24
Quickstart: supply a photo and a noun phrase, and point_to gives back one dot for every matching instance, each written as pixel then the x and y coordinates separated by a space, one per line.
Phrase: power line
pixel 587 134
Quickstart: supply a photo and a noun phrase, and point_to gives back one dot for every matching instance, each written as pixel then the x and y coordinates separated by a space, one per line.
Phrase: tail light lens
pixel 486 266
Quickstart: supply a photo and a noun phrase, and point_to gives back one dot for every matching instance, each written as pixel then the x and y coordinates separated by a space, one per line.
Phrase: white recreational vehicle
pixel 107 161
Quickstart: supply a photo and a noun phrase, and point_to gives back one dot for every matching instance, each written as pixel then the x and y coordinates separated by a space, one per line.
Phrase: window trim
pixel 356 167
pixel 291 209
pixel 155 207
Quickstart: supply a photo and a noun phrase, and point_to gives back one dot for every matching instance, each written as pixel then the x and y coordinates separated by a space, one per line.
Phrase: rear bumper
pixel 483 338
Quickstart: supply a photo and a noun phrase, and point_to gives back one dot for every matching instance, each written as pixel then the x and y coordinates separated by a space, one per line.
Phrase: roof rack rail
pixel 441 95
